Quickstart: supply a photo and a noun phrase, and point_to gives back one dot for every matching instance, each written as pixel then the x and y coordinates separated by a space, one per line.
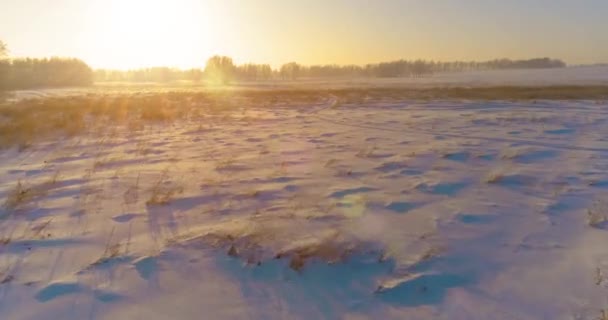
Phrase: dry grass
pixel 256 244
pixel 111 251
pixel 26 122
pixel 493 177
pixel 367 152
pixel 38 230
pixel 597 215
pixel 163 190
pixel 599 276
pixel 19 196
pixel 225 164
pixel 5 278
pixel 22 193
pixel 131 195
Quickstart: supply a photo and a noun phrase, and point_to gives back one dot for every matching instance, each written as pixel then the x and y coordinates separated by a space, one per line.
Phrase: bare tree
pixel 220 69
pixel 290 71
pixel 26 73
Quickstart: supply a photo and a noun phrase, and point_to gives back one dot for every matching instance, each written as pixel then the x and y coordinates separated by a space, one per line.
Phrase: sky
pixel 125 34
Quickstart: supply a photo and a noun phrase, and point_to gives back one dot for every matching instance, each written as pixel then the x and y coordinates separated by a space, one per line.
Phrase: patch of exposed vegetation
pixel 494 177
pixel 25 122
pixel 597 215
pixel 163 190
pixel 256 244
pixel 23 194
pixel 111 251
pixel 18 196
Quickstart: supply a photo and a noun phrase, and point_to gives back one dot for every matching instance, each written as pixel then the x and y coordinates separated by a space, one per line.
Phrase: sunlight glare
pixel 157 32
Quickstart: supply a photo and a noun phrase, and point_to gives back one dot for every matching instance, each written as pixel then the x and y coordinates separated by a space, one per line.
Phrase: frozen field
pixel 582 76
pixel 329 208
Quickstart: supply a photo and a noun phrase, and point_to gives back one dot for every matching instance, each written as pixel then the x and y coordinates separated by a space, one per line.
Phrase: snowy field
pixel 582 76
pixel 318 208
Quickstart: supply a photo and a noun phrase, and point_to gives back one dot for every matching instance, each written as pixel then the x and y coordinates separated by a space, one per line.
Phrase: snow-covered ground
pixel 369 210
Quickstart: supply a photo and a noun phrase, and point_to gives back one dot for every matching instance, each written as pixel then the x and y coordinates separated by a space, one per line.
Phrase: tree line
pixel 221 69
pixel 26 73
pixel 29 73
pixel 23 73
pixel 410 68
pixel 218 70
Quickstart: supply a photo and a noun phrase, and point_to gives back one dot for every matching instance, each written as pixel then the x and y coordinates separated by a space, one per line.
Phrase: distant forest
pixel 29 73
pixel 222 69
pixel 25 73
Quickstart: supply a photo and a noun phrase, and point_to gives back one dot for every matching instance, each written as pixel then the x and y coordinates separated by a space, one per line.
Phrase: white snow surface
pixel 465 210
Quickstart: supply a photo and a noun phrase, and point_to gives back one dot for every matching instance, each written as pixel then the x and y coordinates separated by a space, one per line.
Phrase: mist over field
pixel 303 160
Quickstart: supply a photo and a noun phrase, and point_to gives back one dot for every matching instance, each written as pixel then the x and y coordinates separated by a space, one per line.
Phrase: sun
pixel 147 19
pixel 140 33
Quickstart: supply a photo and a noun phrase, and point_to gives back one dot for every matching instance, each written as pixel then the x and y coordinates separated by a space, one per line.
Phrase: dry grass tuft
pixel 22 194
pixel 256 245
pixel 494 177
pixel 163 191
pixel 225 164
pixel 597 215
pixel 367 152
pixel 19 196
pixel 111 251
